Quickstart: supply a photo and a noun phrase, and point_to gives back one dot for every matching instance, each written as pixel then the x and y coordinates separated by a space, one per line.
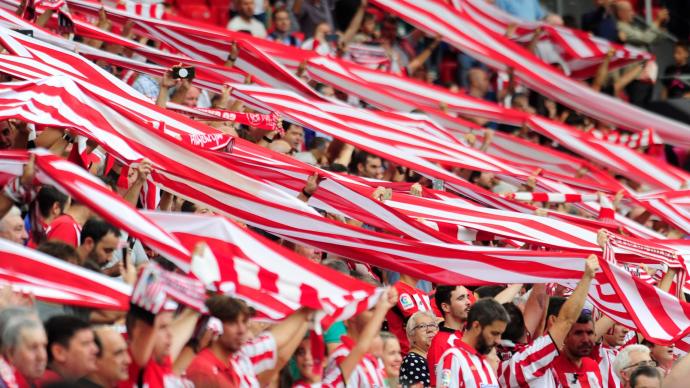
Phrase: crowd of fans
pixel 418 334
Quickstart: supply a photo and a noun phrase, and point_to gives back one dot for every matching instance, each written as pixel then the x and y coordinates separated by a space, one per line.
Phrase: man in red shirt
pixel 410 300
pixel 560 357
pixel 153 347
pixel 466 365
pixel 454 304
pixel 72 349
pixel 51 204
pixel 231 361
pixel 67 227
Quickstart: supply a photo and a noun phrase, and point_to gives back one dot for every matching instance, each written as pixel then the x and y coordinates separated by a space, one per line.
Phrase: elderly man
pixel 24 346
pixel 12 227
pixel 634 35
pixel 628 359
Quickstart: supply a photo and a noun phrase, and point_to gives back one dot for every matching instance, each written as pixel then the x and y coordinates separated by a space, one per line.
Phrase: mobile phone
pixel 183 72
pixel 332 38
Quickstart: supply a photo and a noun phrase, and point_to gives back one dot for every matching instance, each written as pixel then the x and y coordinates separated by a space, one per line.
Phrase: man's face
pixel 617 338
pixel 6 135
pixel 192 97
pixel 490 336
pixel 113 364
pixel 663 355
pixel 680 55
pixel 282 22
pixel 246 8
pixel 102 251
pixel 294 136
pixel 79 358
pixel 580 340
pixel 459 304
pixel 13 229
pixel 30 357
pixel 234 334
pixel 635 359
pixel 161 348
pixel 372 168
pixel 624 11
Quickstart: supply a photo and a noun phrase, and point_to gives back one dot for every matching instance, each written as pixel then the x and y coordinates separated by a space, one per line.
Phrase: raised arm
pixel 572 308
pixel 387 301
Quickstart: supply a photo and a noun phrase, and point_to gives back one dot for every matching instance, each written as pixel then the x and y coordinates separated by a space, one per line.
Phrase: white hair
pixel 623 359
pixel 412 322
pixel 13 212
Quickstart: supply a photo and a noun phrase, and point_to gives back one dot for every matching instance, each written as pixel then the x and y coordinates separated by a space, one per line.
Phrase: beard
pixel 483 347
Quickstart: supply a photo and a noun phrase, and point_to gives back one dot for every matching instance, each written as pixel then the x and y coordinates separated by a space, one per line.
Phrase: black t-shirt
pixel 676 87
pixel 414 370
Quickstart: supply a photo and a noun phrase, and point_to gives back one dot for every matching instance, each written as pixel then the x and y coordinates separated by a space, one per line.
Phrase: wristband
pixel 268 139
pixel 304 192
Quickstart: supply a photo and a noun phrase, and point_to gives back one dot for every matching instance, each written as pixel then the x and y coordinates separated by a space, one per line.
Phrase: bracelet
pixel 268 139
pixel 304 192
pixel 231 59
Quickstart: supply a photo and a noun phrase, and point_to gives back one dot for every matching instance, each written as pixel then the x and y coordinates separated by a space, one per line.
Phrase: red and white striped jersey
pixel 463 367
pixel 255 357
pixel 604 355
pixel 368 374
pixel 528 367
pixel 540 365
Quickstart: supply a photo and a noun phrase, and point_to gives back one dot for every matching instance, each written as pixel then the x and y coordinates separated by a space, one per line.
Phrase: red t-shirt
pixel 207 370
pixel 444 340
pixel 154 375
pixel 64 228
pixel 410 300
pixel 568 374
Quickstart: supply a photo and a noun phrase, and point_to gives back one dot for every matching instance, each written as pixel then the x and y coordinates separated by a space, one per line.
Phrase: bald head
pixel 624 11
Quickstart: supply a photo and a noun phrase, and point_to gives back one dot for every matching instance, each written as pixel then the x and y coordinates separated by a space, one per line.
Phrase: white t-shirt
pixel 255 27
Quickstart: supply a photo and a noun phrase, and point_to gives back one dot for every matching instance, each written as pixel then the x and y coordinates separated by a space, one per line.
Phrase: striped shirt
pixel 529 366
pixel 463 367
pixel 257 356
pixel 369 372
pixel 604 356
pixel 540 365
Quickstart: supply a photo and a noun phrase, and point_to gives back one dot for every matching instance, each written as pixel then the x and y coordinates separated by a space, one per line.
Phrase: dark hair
pixel 279 10
pixel 58 249
pixel 442 296
pixel 318 142
pixel 555 304
pixel 486 311
pixel 47 197
pixel 585 317
pixel 96 228
pixel 227 309
pixel 360 157
pixel 188 207
pixel 516 328
pixel 644 370
pixel 684 44
pixel 61 328
pixel 488 291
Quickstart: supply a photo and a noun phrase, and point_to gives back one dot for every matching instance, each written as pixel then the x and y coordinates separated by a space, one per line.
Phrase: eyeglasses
pixel 426 326
pixel 651 363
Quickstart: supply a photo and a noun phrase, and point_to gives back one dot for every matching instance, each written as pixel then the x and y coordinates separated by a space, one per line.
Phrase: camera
pixel 183 72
